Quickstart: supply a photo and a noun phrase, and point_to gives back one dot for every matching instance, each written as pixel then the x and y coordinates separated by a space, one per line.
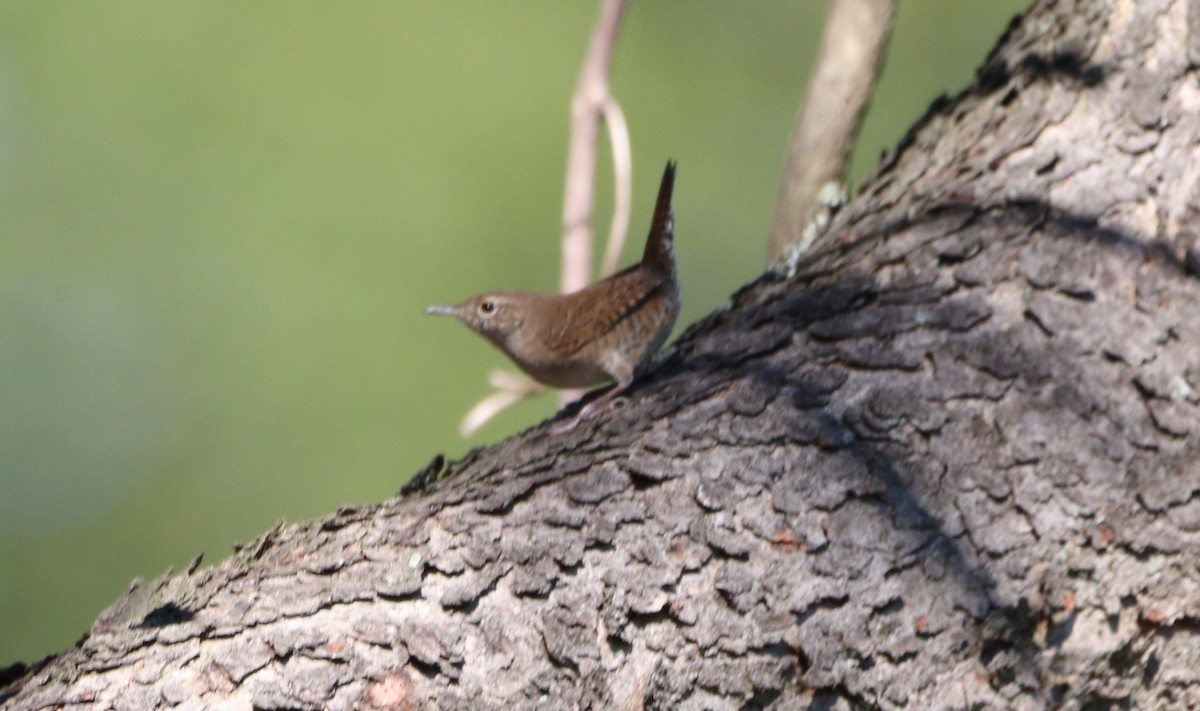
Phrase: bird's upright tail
pixel 660 251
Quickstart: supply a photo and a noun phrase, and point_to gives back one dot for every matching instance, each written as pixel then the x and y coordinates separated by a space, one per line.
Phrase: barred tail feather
pixel 660 252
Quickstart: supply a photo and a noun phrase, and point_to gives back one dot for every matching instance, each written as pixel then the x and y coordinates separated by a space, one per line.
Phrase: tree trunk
pixel 948 461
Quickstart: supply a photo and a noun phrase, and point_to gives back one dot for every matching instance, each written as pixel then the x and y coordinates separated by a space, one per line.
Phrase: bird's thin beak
pixel 442 310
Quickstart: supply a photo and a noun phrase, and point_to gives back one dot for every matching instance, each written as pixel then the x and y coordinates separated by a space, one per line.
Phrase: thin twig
pixel 587 108
pixel 851 56
pixel 618 137
pixel 511 388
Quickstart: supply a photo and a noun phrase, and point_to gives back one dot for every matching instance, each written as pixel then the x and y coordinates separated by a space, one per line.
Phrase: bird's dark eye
pixel 487 307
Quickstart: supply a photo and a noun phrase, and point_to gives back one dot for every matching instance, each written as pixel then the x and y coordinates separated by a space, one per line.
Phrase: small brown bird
pixel 603 332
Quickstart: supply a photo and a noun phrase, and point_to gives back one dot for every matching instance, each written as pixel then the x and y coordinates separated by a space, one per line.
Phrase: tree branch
pixel 588 105
pixel 618 138
pixel 818 152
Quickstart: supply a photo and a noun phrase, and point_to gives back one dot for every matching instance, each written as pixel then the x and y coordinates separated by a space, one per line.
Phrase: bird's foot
pixel 610 400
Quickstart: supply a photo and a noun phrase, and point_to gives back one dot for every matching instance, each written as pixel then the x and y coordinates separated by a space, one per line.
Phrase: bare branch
pixel 618 137
pixel 511 388
pixel 856 33
pixel 587 108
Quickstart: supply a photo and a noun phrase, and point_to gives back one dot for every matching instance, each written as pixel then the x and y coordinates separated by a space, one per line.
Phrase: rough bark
pixel 947 461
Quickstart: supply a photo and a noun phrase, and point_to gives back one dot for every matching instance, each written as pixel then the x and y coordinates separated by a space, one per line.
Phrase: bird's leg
pixel 590 410
pixel 601 404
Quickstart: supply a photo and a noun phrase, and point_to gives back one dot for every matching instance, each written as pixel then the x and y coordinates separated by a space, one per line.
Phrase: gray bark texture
pixel 949 459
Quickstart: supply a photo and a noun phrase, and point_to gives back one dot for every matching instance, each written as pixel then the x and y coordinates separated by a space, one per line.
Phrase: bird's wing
pixel 592 312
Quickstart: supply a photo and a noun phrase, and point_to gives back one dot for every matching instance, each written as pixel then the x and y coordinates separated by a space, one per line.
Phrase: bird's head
pixel 493 315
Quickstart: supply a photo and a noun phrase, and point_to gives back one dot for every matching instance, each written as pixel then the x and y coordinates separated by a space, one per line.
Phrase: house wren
pixel 603 332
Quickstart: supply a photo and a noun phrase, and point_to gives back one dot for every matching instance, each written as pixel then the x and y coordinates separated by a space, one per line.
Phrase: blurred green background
pixel 219 223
